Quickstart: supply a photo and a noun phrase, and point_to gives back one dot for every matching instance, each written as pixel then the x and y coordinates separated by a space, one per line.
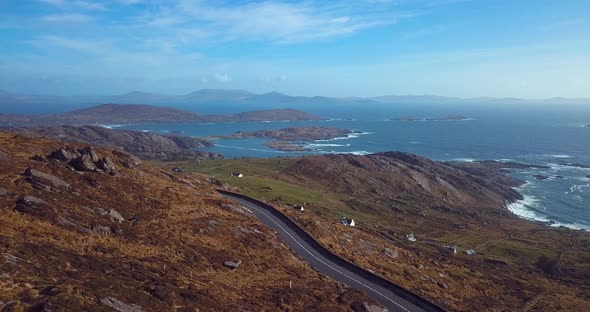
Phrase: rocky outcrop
pixel 83 163
pixel 119 305
pixel 45 181
pixel 143 144
pixel 85 159
pixel 30 204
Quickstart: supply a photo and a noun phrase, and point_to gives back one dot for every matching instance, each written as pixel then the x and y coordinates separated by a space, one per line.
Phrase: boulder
pixel 233 265
pixel 106 164
pixel 30 204
pixel 391 253
pixel 3 192
pixel 66 154
pixel 45 181
pixel 39 158
pixel 129 160
pixel 102 230
pixel 366 307
pixel 89 150
pixel 119 305
pixel 116 216
pixel 83 163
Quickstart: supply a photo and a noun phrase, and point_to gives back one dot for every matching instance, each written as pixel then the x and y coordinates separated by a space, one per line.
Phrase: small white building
pixel 452 248
pixel 236 174
pixel 346 221
pixel 470 252
pixel 411 237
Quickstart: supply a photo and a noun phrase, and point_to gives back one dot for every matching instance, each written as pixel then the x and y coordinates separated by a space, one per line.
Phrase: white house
pixel 236 174
pixel 346 221
pixel 411 237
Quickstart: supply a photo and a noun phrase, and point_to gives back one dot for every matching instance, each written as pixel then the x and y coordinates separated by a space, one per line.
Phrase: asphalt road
pixel 385 296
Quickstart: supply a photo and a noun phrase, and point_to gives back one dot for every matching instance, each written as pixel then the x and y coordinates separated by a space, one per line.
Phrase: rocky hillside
pixel 142 144
pixel 109 114
pixel 409 180
pixel 91 228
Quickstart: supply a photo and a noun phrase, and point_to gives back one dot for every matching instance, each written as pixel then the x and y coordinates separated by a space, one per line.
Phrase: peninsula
pixel 114 114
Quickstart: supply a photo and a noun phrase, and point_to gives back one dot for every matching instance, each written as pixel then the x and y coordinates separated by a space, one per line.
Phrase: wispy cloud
pixel 279 22
pixel 67 17
pixel 75 4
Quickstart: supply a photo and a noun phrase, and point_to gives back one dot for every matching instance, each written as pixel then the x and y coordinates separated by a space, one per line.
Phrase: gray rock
pixel 120 306
pixel 366 307
pixel 116 216
pixel 3 192
pixel 106 164
pixel 30 204
pixel 64 154
pixel 39 158
pixel 83 163
pixel 233 265
pixel 89 150
pixel 391 253
pixel 129 160
pixel 50 291
pixel 102 230
pixel 45 181
pixel 100 211
pixel 46 306
pixel 10 259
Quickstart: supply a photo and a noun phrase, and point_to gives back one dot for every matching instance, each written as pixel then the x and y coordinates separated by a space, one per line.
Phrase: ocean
pixel 537 134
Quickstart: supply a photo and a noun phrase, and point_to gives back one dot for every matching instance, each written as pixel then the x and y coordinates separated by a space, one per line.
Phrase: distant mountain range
pixel 19 103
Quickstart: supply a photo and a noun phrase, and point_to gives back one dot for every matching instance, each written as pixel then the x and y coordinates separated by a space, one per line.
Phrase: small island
pixel 292 139
pixel 444 118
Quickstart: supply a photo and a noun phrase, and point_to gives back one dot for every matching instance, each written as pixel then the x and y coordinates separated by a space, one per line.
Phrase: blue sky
pixel 512 48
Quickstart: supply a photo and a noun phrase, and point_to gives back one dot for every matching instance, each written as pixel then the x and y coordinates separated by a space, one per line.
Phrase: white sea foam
pixel 111 126
pixel 527 209
pixel 415 142
pixel 561 156
pixel 464 159
pixel 360 153
pixel 347 137
pixel 314 145
pixel 578 188
pixel 250 149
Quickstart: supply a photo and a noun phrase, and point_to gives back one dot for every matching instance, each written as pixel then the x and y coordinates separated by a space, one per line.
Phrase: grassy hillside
pixel 519 264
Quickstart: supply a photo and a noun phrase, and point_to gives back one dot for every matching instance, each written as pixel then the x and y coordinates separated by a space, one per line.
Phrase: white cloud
pixel 221 77
pixel 129 2
pixel 73 18
pixel 76 4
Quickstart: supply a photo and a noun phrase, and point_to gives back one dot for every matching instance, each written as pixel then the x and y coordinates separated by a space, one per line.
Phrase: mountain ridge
pixel 232 96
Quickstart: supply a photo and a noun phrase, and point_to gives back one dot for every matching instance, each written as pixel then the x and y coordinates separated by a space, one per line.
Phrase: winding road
pixel 390 295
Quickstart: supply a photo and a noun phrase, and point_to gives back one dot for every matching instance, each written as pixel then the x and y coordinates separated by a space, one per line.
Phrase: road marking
pixel 320 260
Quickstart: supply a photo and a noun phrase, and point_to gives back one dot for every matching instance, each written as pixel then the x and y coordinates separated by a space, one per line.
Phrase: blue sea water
pixel 537 134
